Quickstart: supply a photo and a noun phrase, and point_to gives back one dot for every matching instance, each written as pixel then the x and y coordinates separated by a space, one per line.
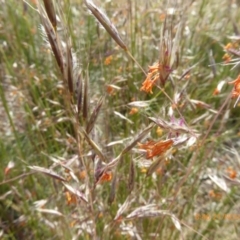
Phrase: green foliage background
pixel 36 127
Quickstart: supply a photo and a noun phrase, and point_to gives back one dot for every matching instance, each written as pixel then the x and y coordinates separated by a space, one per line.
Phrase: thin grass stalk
pixel 112 193
pixel 79 92
pixel 5 106
pixel 131 177
pixel 70 69
pixel 68 72
pixel 194 159
pixel 85 98
pixel 138 64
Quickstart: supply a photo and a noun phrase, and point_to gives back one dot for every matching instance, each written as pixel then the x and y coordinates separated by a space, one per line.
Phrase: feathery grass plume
pixel 106 23
pixel 50 12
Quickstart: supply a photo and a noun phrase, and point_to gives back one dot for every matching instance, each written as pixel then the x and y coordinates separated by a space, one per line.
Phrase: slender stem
pixel 131 56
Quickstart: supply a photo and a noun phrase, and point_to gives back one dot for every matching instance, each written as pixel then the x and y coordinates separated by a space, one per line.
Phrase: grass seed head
pixel 106 23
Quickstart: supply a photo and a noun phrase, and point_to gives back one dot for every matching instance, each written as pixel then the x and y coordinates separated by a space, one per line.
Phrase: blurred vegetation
pixel 51 182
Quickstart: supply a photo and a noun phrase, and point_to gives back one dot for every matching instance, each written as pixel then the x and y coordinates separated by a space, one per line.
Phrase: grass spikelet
pixel 76 192
pixel 61 47
pixel 51 12
pixel 110 28
pixel 168 50
pixel 94 146
pixel 106 23
pixel 137 139
pixel 52 37
pixel 48 172
pixel 155 165
pixel 119 158
pixel 94 115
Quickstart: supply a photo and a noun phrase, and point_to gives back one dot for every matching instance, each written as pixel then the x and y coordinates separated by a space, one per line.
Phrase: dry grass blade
pixel 140 104
pixel 106 23
pixel 220 182
pixel 76 192
pixel 123 117
pixel 50 12
pixel 176 222
pixel 48 172
pixel 50 211
pixel 94 116
pixel 94 146
pixel 150 210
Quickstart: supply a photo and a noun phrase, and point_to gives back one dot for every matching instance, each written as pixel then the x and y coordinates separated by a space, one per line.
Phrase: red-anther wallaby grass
pixel 119 119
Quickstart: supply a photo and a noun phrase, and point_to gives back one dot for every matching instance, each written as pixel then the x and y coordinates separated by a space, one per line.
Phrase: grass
pixel 87 151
